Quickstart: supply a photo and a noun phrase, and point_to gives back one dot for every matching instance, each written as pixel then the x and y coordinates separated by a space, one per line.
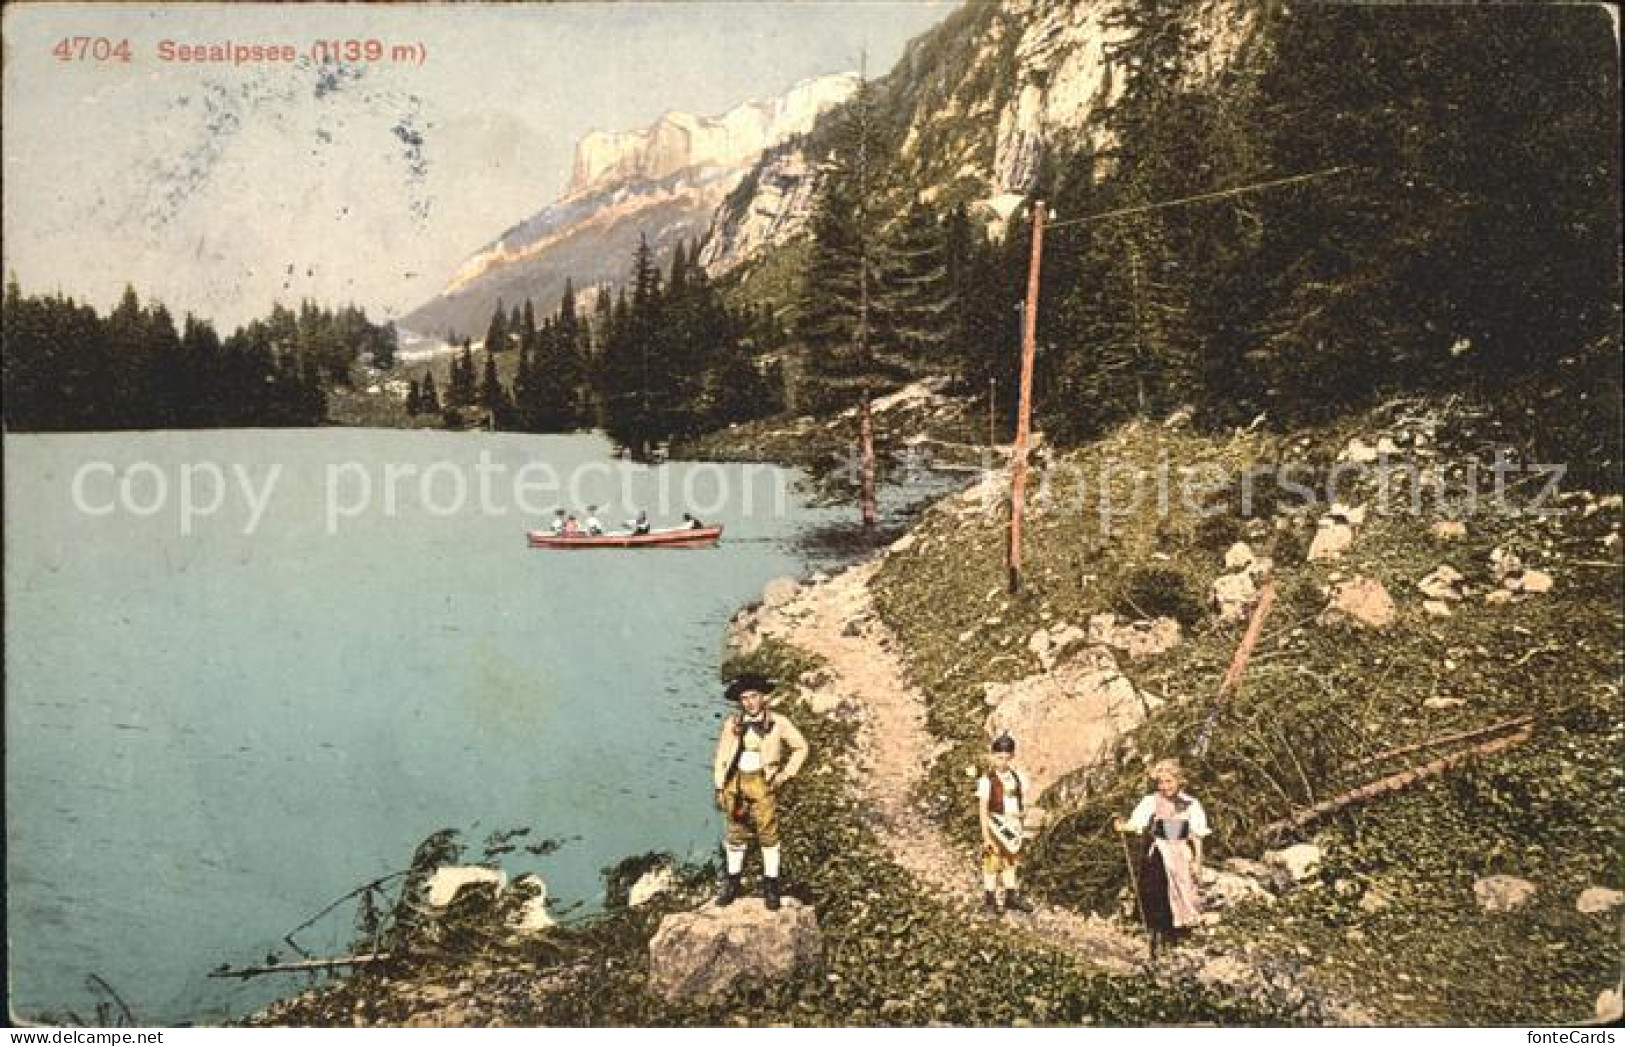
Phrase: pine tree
pixel 846 303
pixel 463 391
pixel 429 398
pixel 492 395
pixel 496 334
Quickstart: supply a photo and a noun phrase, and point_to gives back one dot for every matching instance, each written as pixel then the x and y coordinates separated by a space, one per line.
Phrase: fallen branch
pixel 1395 782
pixel 303 966
pixel 1444 739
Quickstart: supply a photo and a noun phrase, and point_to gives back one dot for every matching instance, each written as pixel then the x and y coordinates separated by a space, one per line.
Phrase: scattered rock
pixel 1594 900
pixel 1502 893
pixel 778 592
pixel 1434 608
pixel 1358 452
pixel 1228 889
pixel 1387 446
pixel 651 884
pixel 1500 597
pixel 447 881
pixel 1138 639
pixel 1610 1006
pixel 1300 861
pixel 705 952
pixel 1067 719
pixel 1448 530
pixel 904 543
pixel 1332 539
pixel 1233 595
pixel 1443 583
pixel 1443 704
pixel 1363 601
pixel 532 915
pixel 1375 901
pixel 1238 557
pixel 1535 581
pixel 1504 563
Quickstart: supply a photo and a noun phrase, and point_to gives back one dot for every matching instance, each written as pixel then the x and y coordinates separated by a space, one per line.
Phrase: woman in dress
pixel 1171 825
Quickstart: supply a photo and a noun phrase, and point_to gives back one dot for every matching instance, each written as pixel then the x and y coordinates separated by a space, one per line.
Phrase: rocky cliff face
pixel 976 103
pixel 663 182
pixel 682 140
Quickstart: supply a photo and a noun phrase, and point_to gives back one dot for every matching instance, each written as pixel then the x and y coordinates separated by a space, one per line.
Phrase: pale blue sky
pixel 220 189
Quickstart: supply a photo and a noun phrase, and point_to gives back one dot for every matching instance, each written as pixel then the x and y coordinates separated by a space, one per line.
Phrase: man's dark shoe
pixel 728 892
pixel 770 893
pixel 990 902
pixel 1015 902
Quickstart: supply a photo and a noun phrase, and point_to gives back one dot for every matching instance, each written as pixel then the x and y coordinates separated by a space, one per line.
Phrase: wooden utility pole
pixel 1018 455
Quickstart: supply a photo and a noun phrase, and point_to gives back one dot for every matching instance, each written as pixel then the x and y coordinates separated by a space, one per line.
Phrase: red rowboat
pixel 688 537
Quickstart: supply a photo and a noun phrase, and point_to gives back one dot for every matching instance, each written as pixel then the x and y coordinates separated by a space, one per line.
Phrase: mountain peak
pixel 680 140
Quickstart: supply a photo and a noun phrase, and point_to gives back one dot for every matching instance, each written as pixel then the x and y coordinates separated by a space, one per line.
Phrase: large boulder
pixel 705 952
pixel 447 881
pixel 1068 719
pixel 1502 893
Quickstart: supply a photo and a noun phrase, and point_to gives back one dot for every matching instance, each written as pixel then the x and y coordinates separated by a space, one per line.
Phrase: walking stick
pixel 1134 882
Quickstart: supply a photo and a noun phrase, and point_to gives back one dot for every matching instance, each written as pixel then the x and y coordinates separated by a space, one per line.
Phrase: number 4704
pixel 92 48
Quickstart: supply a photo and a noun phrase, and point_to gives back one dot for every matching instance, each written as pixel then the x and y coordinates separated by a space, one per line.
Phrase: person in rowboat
pixel 639 525
pixel 1172 826
pixel 999 796
pixel 572 529
pixel 691 522
pixel 556 528
pixel 758 752
pixel 594 527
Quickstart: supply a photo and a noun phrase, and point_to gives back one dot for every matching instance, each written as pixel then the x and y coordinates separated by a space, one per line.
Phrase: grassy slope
pixel 1316 699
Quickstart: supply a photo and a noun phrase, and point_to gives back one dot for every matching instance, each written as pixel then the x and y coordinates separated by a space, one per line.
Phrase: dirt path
pixel 836 621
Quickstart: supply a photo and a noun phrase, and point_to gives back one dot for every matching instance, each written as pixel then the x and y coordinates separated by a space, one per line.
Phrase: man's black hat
pixel 748 681
pixel 1004 743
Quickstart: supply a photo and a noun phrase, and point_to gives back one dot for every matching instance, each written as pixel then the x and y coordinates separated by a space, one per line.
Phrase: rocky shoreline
pixel 881 660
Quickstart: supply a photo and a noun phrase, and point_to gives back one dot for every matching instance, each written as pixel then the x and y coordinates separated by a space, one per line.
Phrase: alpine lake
pixel 249 671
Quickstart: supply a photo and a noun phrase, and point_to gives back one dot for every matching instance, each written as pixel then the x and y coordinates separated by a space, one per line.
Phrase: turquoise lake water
pixel 211 735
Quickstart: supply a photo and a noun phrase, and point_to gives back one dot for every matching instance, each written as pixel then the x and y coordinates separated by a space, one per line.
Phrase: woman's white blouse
pixel 1140 819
